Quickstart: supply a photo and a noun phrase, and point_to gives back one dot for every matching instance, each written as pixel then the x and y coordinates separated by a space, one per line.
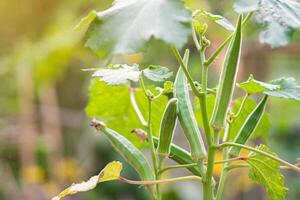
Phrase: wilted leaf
pixel 112 105
pixel 252 86
pixel 288 89
pixel 128 26
pixel 262 129
pixel 279 17
pixel 119 74
pixel 111 172
pixel 222 21
pixel 157 73
pixel 266 171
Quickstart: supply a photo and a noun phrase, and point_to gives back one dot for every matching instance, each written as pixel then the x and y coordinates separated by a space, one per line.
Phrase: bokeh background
pixel 45 141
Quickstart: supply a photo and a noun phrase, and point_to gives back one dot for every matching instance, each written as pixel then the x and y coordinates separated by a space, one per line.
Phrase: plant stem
pixel 228 39
pixel 157 182
pixel 243 158
pixel 208 186
pixel 150 137
pixel 226 144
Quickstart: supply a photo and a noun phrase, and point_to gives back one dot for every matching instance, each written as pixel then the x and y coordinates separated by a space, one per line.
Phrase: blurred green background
pixel 45 141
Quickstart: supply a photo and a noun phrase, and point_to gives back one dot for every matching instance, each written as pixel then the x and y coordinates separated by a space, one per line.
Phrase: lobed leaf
pixel 128 26
pixel 279 17
pixel 111 172
pixel 266 171
pixel 157 73
pixel 288 89
pixel 118 74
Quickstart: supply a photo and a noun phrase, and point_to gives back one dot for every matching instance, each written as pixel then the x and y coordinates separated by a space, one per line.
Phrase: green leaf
pixel 262 129
pixel 288 89
pixel 112 105
pixel 222 21
pixel 86 21
pixel 119 74
pixel 127 26
pixel 157 73
pixel 266 171
pixel 252 86
pixel 279 17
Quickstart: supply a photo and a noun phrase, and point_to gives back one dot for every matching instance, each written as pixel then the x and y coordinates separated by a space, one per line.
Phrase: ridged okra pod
pixel 227 79
pixel 128 151
pixel 249 126
pixel 167 128
pixel 186 114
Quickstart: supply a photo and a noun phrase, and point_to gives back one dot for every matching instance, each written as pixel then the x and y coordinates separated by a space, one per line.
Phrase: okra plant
pixel 127 28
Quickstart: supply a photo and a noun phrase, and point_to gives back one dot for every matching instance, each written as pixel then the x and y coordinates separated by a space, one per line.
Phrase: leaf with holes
pixel 266 171
pixel 279 18
pixel 128 25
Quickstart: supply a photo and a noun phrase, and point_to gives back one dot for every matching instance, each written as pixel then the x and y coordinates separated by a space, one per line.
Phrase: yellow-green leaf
pixel 111 172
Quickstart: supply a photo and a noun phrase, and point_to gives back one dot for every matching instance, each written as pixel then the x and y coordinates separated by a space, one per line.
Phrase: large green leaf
pixel 112 105
pixel 279 17
pixel 128 26
pixel 266 171
pixel 262 129
pixel 288 89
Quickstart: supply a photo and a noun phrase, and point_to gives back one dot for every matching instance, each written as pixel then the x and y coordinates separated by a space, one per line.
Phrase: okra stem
pixel 150 137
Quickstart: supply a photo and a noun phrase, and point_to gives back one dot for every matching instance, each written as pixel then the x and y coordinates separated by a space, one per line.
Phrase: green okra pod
pixel 227 79
pixel 128 151
pixel 249 126
pixel 186 114
pixel 167 128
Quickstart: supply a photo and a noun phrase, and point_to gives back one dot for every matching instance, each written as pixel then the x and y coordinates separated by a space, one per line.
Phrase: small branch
pixel 246 166
pixel 241 158
pixel 228 39
pixel 196 41
pixel 241 106
pixel 294 167
pixel 136 108
pixel 154 182
pixel 178 167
